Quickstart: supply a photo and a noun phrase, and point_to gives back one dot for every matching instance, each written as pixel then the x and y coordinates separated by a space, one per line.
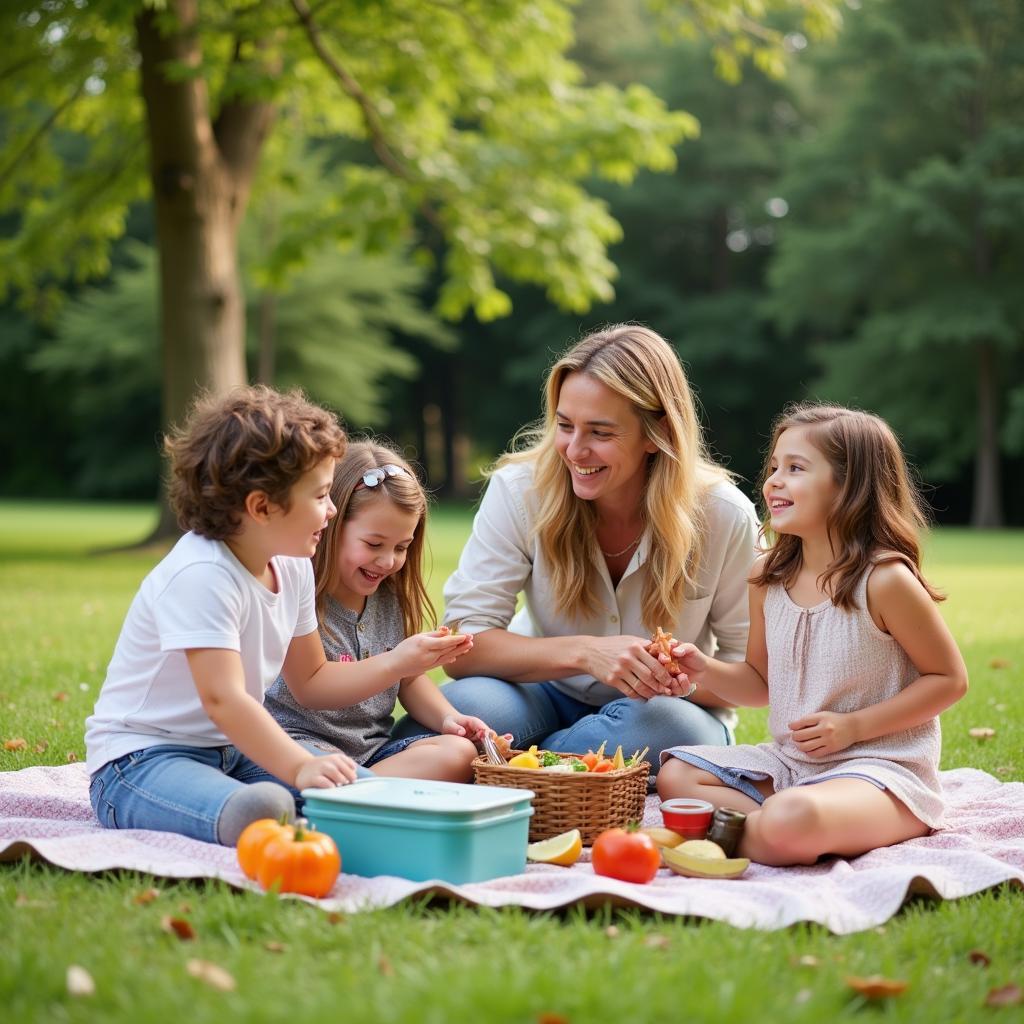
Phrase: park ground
pixel 61 605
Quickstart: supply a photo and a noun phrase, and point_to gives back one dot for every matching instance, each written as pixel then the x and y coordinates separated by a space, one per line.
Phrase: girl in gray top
pixel 371 602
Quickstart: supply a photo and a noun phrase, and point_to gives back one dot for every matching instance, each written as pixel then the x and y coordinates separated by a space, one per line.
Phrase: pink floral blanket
pixel 45 811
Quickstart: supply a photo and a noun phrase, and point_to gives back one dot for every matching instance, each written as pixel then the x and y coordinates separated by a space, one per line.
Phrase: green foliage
pixel 903 250
pixel 334 325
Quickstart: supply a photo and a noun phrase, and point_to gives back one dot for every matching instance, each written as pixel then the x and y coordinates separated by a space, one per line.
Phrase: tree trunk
pixel 201 174
pixel 986 506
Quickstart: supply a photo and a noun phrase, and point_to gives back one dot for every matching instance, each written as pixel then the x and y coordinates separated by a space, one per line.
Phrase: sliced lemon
pixel 564 849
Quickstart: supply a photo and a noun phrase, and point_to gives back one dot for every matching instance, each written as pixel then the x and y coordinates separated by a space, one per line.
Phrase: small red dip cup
pixel 690 818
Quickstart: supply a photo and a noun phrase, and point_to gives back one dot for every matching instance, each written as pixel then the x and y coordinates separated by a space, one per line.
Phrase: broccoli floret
pixel 549 758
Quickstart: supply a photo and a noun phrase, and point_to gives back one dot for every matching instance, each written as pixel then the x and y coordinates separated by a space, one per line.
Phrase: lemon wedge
pixel 564 849
pixel 524 760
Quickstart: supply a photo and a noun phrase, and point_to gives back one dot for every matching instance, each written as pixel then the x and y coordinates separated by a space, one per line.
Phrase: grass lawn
pixel 61 608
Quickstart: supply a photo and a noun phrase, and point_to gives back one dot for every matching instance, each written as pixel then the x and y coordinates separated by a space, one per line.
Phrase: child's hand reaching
pixel 423 651
pixel 825 732
pixel 326 772
pixel 455 724
pixel 692 663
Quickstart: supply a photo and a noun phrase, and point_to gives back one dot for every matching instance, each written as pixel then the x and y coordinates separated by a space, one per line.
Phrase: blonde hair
pixel 406 492
pixel 639 365
pixel 878 512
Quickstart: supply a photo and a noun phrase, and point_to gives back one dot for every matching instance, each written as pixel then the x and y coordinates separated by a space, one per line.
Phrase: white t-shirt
pixel 503 559
pixel 200 595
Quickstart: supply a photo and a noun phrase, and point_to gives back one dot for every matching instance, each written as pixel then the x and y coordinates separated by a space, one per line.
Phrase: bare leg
pixel 445 758
pixel 678 778
pixel 847 817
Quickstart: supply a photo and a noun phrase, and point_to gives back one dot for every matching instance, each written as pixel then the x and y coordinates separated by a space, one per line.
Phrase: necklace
pixel 629 546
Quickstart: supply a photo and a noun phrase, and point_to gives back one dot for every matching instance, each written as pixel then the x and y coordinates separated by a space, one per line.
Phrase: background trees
pixel 816 239
pixel 903 251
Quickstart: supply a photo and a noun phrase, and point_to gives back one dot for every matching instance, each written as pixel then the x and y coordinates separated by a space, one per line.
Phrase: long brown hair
pixel 877 514
pixel 639 365
pixel 406 492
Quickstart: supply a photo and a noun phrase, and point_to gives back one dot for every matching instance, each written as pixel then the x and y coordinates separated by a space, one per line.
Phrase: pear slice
pixel 695 859
pixel 663 836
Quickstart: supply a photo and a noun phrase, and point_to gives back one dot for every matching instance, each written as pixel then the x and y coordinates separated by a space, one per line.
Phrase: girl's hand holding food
pixel 423 651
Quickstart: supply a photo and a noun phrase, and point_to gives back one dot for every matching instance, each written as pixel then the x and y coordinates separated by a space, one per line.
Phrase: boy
pixel 179 740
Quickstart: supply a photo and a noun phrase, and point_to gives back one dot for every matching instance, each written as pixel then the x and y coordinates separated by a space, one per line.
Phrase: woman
pixel 611 521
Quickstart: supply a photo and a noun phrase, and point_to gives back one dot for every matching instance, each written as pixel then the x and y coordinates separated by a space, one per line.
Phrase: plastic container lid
pixel 421 796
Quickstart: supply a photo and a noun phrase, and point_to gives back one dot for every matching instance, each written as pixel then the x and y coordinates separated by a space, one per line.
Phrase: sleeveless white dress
pixel 828 659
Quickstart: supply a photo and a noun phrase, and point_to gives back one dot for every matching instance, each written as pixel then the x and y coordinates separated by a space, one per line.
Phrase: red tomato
pixel 629 856
pixel 590 759
pixel 606 764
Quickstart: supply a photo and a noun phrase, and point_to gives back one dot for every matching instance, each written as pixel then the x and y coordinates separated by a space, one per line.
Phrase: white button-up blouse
pixel 502 559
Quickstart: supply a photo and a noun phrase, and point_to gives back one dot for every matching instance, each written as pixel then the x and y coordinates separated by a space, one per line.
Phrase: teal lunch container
pixel 424 830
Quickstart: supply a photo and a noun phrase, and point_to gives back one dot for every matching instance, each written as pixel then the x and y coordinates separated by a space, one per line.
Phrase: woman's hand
pixel 455 724
pixel 623 663
pixel 324 772
pixel 423 651
pixel 823 733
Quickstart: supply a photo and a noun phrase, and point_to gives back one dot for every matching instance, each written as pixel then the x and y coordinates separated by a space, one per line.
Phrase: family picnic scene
pixel 512 510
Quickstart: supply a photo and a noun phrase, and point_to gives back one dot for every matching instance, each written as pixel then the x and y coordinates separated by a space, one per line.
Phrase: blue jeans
pixel 540 713
pixel 176 788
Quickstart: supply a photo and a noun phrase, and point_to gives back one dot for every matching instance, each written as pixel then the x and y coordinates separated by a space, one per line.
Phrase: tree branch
pixel 354 90
pixel 374 125
pixel 242 125
pixel 38 134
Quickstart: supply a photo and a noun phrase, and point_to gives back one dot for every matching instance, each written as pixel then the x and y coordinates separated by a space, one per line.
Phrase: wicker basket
pixel 588 801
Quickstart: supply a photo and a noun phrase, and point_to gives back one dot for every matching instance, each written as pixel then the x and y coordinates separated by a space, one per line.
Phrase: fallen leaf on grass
pixel 211 974
pixel 15 743
pixel 61 696
pixel 275 947
pixel 79 982
pixel 875 986
pixel 40 747
pixel 612 931
pixel 335 918
pixel 657 942
pixel 146 896
pixel 72 757
pixel 178 926
pixel 551 1018
pixel 1008 995
pixel 981 733
pixel 999 663
pixel 977 956
pixel 385 967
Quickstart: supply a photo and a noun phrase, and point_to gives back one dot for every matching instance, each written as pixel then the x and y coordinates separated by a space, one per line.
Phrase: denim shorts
pixel 177 788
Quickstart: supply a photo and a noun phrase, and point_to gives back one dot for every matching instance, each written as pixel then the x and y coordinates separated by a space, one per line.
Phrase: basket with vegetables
pixel 588 791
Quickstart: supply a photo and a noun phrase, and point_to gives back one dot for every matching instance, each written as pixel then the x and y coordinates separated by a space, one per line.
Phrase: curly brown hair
pixel 252 439
pixel 878 513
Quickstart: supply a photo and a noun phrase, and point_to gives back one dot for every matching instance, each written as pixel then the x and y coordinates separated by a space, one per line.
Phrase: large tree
pixel 904 248
pixel 477 131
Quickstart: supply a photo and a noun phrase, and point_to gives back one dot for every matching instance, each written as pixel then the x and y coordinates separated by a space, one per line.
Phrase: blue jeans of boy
pixel 540 713
pixel 176 788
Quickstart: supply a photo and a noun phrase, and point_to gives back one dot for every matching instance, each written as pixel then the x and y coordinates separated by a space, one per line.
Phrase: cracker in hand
pixel 662 643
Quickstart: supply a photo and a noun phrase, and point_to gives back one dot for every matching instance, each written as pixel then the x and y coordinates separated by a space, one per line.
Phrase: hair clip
pixel 378 475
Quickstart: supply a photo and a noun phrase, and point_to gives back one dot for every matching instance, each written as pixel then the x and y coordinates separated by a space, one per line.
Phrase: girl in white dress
pixel 846 647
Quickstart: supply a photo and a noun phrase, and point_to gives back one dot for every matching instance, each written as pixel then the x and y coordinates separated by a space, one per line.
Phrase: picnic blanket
pixel 45 811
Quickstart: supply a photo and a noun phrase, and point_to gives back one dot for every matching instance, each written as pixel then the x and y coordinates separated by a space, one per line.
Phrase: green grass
pixel 61 608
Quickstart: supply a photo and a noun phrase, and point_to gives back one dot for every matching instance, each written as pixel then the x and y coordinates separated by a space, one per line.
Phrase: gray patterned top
pixel 360 729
